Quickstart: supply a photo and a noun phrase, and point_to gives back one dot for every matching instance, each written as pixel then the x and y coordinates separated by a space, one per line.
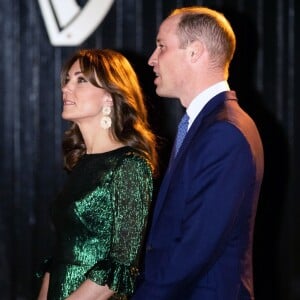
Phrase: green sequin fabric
pixel 100 218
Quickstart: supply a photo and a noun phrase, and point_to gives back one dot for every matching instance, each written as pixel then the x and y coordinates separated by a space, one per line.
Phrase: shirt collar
pixel 199 102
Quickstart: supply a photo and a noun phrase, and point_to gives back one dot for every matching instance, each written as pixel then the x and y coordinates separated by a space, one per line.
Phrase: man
pixel 200 242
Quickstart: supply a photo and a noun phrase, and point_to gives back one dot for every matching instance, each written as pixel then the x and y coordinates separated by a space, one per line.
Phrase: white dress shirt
pixel 199 102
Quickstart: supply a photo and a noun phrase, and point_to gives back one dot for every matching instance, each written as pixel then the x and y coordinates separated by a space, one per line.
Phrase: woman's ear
pixel 108 100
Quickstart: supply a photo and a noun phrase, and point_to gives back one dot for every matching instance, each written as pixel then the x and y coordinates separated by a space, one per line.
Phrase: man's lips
pixel 157 76
pixel 156 79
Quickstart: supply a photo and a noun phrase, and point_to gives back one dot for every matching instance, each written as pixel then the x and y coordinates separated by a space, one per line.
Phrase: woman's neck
pixel 98 140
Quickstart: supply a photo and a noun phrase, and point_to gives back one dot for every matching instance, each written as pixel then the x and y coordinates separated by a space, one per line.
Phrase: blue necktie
pixel 181 132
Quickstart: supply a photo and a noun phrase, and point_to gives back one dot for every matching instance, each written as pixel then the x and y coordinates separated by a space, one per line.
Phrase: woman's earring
pixel 106 119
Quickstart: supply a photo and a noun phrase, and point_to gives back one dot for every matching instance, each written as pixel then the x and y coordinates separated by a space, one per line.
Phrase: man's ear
pixel 196 50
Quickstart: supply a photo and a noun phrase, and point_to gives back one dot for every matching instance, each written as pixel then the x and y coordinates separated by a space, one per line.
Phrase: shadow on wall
pixel 269 275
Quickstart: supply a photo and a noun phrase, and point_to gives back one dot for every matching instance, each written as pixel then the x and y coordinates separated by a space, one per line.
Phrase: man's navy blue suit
pixel 200 242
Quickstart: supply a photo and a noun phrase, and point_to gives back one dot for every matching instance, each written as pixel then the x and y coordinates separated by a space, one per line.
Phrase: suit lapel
pixel 171 171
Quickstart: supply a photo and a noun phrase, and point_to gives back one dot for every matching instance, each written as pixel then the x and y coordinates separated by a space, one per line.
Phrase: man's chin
pixel 161 93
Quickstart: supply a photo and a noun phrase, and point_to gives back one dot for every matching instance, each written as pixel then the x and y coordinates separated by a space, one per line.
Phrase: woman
pixel 101 214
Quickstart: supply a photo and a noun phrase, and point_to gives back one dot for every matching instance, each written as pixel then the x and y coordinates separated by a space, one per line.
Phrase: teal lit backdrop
pixel 265 73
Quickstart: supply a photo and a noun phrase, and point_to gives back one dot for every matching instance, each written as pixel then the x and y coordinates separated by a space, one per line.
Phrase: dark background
pixel 265 73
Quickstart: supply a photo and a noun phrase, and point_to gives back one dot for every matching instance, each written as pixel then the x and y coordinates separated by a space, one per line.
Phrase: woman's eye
pixel 81 79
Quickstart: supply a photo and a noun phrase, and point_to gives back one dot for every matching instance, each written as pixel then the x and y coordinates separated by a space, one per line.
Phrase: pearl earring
pixel 105 121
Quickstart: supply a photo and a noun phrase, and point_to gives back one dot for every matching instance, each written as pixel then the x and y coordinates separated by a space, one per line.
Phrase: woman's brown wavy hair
pixel 110 70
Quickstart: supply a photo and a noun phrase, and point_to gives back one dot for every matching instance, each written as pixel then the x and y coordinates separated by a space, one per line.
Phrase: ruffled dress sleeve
pixel 132 189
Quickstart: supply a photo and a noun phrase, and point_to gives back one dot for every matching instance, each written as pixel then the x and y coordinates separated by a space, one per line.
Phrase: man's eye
pixel 161 47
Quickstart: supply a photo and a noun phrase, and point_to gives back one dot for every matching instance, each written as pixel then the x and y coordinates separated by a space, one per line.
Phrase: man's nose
pixel 153 58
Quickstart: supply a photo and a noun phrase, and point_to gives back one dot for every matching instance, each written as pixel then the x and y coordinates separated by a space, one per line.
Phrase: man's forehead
pixel 167 28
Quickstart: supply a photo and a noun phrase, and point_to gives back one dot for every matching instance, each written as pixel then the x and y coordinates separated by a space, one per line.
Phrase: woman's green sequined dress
pixel 100 219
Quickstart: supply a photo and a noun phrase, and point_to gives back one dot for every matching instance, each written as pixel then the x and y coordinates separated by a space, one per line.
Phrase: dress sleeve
pixel 132 188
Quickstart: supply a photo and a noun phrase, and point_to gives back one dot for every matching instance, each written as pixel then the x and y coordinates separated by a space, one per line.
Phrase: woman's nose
pixel 66 88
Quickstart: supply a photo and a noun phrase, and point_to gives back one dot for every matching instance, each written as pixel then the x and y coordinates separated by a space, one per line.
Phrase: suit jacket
pixel 200 242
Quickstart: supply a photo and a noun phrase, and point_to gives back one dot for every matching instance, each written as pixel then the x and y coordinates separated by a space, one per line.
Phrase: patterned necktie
pixel 181 132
